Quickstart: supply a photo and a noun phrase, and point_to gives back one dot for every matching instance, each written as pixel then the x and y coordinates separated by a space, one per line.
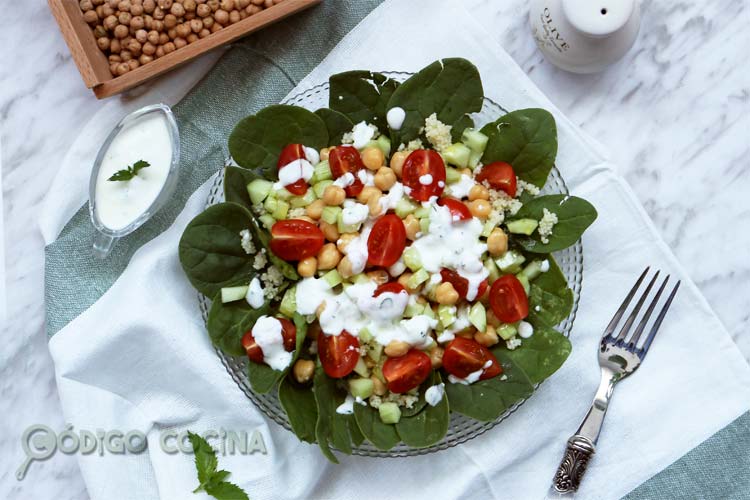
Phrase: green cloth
pixel 258 72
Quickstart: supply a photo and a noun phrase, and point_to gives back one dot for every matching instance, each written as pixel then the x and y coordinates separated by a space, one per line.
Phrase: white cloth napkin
pixel 140 358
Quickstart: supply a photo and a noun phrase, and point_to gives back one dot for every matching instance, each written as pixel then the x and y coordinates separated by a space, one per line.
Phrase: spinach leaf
pixel 550 299
pixel 450 87
pixel 227 323
pixel 361 96
pixel 331 428
pixel 357 437
pixel 287 269
pixel 337 124
pixel 574 215
pixel 236 180
pixel 210 251
pixel 486 400
pixel 527 139
pixel 420 403
pixel 262 377
pixel 298 402
pixel 429 425
pixel 540 355
pixel 257 140
pixel 383 436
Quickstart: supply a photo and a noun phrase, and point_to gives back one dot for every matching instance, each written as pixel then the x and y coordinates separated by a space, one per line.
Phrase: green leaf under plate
pixel 382 436
pixel 429 425
pixel 337 124
pixel 262 377
pixel 550 298
pixel 574 216
pixel 361 96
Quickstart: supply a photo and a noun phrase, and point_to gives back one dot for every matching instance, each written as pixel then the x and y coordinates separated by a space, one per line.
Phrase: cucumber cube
pixel 304 200
pixel 270 204
pixel 330 214
pixel 532 270
pixel 282 194
pixel 429 312
pixel 487 229
pixel 405 207
pixel 522 226
pixel 282 210
pixel 384 143
pixel 414 309
pixel 510 261
pixel 457 154
pixel 288 304
pixel 321 172
pixel 364 336
pixel 417 279
pixel 361 368
pixel 412 259
pixel 475 140
pixel 422 213
pixel 320 186
pixel 389 413
pixel 267 220
pixel 506 331
pixel 360 279
pixel 375 351
pixel 492 268
pixel 452 175
pixel 446 314
pixel 232 293
pixel 332 278
pixel 524 282
pixel 361 387
pixel 424 225
pixel 478 316
pixel 474 159
pixel 344 228
pixel 258 190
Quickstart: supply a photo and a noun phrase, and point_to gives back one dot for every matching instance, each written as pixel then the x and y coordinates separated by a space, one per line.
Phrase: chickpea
pixel 115 46
pixel 126 55
pixel 90 16
pixel 330 231
pixel 134 47
pixel 436 356
pixel 344 241
pixel 113 68
pixel 252 9
pixel 86 5
pixel 137 23
pixel 397 161
pixel 148 49
pixel 492 319
pixel 345 268
pixel 478 192
pixel 124 18
pixel 196 25
pixel 153 37
pixel 169 47
pixel 497 242
pixel 268 4
pixel 222 17
pixel 465 171
pixel 123 6
pixel 214 4
pixel 396 348
pixel 204 33
pixel 149 6
pixel 379 276
pixel 165 4
pixel 241 4
pixel 114 58
pixel 385 178
pixel 324 153
pixel 103 43
pixel 121 31
pixel 208 22
pixel 378 387
pixel 158 26
pixel 445 294
pixel 136 9
pixel 226 5
pixel 467 333
pixel 163 38
pixel 315 209
pixel 480 208
pixel 159 51
pixel 177 10
pixel 145 59
pixel 141 36
pixel 328 257
pixel 373 157
pixel 100 31
pixel 110 22
pixel 374 205
pixel 257 2
pixel 487 338
pixel 159 14
pixel 179 42
pixel 303 370
pixel 133 63
pixel 183 30
pixel 215 27
pixel 203 10
pixel 190 5
pixel 367 193
pixel 307 267
pixel 234 17
pixel 334 195
pixel 172 33
pixel 411 224
pixel 122 68
pixel 170 21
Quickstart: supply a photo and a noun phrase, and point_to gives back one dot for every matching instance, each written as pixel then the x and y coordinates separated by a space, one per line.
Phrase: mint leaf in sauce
pixel 131 171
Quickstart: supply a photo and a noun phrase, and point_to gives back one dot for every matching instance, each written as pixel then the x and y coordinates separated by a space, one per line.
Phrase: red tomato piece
pixel 289 154
pixel 508 299
pixel 253 350
pixel 387 241
pixel 295 239
pixel 419 164
pixel 500 176
pixel 343 160
pixel 482 289
pixel 392 287
pixel 338 353
pixel 459 210
pixel 463 356
pixel 460 284
pixel 406 372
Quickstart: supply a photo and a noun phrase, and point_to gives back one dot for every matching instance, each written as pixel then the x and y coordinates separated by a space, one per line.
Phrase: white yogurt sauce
pixel 267 334
pixel 347 407
pixel 471 377
pixel 294 171
pixel 390 200
pixel 354 213
pixel 395 118
pixel 461 188
pixel 434 394
pixel 454 245
pixel 345 180
pixel 525 329
pixel 425 179
pixel 119 203
pixel 362 133
pixel 254 295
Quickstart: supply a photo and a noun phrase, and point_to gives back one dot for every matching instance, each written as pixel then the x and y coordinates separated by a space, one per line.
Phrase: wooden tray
pixel 93 64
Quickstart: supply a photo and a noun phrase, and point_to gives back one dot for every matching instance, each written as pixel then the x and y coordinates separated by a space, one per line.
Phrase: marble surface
pixel 674 113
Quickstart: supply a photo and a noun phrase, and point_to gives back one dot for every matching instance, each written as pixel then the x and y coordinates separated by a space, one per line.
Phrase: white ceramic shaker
pixel 584 36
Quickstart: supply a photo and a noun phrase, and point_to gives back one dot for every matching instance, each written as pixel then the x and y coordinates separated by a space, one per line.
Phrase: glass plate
pixel 461 428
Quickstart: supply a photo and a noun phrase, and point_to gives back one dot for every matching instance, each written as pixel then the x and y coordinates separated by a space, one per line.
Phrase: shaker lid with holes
pixel 598 18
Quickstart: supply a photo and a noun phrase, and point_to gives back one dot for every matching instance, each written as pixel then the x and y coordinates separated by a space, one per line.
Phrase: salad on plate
pixel 384 261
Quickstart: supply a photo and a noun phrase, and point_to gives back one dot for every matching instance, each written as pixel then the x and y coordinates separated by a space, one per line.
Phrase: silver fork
pixel 619 356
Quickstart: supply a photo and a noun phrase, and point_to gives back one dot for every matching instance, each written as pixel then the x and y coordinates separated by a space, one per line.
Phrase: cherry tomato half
pixel 387 241
pixel 508 299
pixel 392 287
pixel 289 154
pixel 459 211
pixel 406 372
pixel 338 353
pixel 253 350
pixel 460 284
pixel 419 164
pixel 346 159
pixel 500 176
pixel 463 356
pixel 295 239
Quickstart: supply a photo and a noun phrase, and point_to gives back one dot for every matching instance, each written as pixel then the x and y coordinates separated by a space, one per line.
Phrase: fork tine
pixel 616 318
pixel 647 315
pixel 658 321
pixel 631 319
